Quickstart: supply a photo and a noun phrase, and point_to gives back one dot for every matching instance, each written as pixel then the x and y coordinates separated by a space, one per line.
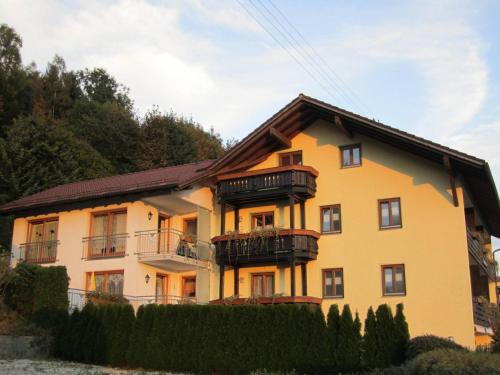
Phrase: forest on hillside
pixel 59 126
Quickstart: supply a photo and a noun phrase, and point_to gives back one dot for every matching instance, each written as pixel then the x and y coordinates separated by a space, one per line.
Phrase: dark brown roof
pixel 153 179
pixel 304 110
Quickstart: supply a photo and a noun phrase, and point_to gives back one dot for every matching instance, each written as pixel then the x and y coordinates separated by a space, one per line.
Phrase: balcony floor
pixel 173 262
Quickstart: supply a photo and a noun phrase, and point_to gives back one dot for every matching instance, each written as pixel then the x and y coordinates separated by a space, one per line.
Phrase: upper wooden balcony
pixel 267 184
pixel 479 254
pixel 268 247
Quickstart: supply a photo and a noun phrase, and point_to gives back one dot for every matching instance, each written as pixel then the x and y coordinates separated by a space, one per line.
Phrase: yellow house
pixel 317 205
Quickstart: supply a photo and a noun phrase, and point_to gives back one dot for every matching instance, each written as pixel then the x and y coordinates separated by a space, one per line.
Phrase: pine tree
pixel 348 350
pixel 402 335
pixel 369 343
pixel 385 335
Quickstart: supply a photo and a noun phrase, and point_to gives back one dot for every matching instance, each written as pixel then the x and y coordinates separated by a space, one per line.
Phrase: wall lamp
pixel 147 278
pixel 150 215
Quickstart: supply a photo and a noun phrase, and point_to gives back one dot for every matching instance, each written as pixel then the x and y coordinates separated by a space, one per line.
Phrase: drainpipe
pixel 496 272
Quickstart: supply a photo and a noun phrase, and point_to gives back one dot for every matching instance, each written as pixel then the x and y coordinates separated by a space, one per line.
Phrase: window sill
pixel 326 233
pixel 394 295
pixel 94 257
pixel 391 227
pixel 350 166
pixel 333 297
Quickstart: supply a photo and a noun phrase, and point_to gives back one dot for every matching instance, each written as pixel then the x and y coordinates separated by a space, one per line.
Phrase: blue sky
pixel 427 67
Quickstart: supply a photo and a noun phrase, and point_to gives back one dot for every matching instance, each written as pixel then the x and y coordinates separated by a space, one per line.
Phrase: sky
pixel 427 67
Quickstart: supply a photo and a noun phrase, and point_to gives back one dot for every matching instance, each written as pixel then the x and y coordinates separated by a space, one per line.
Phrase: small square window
pixel 393 279
pixel 331 219
pixel 390 213
pixel 333 283
pixel 351 155
pixel 263 220
pixel 290 158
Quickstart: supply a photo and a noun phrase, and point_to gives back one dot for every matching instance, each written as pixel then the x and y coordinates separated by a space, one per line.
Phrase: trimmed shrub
pixel 385 336
pixel 50 303
pixel 427 343
pixel 117 339
pixel 20 291
pixel 453 362
pixel 402 336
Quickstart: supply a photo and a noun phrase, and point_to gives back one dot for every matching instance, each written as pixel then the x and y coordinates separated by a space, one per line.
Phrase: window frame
pixel 41 221
pixel 323 284
pixel 188 236
pixel 264 282
pixel 351 147
pixel 391 224
pixel 184 279
pixel 263 216
pixel 393 268
pixel 109 214
pixel 109 232
pixel 106 274
pixel 330 207
pixel 290 155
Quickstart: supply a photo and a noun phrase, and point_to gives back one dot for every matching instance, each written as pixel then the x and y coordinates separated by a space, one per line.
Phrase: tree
pixel 402 335
pixel 385 335
pixel 349 340
pixel 332 327
pixel 369 343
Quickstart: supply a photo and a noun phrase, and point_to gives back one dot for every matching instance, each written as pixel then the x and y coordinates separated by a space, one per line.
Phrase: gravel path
pixel 34 367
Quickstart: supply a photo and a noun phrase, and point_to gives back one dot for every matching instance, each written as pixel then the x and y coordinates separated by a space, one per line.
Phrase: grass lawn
pixel 53 367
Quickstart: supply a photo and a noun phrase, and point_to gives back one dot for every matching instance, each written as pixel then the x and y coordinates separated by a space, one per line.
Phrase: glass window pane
pixel 115 283
pixel 269 285
pixel 119 223
pixel 339 283
pixel 396 217
pixel 285 160
pixel 356 156
pixel 384 214
pixel 189 289
pixel 325 226
pixel 336 219
pixel 258 221
pixel 297 159
pixel 257 285
pixel 51 230
pixel 388 280
pixel 346 157
pixel 36 234
pixel 399 278
pixel 99 282
pixel 269 220
pixel 99 225
pixel 328 280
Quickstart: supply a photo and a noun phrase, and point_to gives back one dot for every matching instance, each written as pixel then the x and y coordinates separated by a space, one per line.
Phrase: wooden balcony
pixel 38 252
pixel 266 248
pixel 480 255
pixel 267 184
pixel 484 312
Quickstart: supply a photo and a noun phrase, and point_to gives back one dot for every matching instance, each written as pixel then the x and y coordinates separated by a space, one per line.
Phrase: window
pixel 351 156
pixel 191 229
pixel 330 219
pixel 108 234
pixel 333 283
pixel 290 158
pixel 106 282
pixel 390 213
pixel 41 246
pixel 393 280
pixel 189 286
pixel 262 284
pixel 263 220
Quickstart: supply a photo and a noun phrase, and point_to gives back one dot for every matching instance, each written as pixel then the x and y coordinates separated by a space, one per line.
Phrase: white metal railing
pixel 171 242
pixel 79 297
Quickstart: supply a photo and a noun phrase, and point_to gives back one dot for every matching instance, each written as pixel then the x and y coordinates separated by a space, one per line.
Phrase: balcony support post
pixel 236 219
pixel 221 280
pixel 292 211
pixel 303 269
pixel 222 217
pixel 292 249
pixel 302 214
pixel 236 281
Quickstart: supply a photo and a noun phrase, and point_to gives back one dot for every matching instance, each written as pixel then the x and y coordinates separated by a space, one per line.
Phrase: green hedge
pixel 19 293
pixel 50 302
pixel 221 339
pixel 422 344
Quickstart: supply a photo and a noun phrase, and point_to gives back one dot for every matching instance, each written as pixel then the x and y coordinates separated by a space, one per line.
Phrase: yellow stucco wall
pixel 431 244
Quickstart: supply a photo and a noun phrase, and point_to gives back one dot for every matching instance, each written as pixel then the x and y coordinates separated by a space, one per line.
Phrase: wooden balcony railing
pixel 484 312
pixel 113 245
pixel 168 242
pixel 38 252
pixel 480 254
pixel 271 182
pixel 266 247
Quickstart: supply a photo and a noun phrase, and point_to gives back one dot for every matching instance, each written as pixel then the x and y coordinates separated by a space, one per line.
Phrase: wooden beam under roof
pixel 451 173
pixel 280 137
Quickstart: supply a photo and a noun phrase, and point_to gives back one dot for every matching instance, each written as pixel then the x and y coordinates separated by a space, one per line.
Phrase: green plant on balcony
pixel 100 298
pixel 258 238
